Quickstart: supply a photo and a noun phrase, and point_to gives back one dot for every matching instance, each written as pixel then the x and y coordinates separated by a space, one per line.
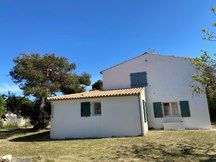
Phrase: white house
pixel 99 114
pixel 165 100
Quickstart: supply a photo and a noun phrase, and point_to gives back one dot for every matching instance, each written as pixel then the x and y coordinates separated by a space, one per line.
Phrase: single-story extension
pixel 99 114
pixel 148 91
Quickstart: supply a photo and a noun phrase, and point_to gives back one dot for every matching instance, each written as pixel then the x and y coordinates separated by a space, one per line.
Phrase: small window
pixel 97 108
pixel 170 109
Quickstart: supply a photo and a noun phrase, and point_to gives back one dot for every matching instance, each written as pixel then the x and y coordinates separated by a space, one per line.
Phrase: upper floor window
pixel 138 79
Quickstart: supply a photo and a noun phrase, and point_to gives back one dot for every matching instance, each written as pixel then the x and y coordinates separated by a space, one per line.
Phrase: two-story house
pixel 148 91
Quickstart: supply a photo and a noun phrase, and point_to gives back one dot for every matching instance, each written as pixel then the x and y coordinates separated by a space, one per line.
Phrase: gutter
pixel 141 115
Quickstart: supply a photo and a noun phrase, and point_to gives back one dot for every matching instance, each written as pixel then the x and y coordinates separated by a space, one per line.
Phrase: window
pixel 97 108
pixel 138 79
pixel 170 109
pixel 88 108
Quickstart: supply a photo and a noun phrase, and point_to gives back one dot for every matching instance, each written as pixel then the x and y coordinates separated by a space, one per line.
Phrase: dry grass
pixel 156 146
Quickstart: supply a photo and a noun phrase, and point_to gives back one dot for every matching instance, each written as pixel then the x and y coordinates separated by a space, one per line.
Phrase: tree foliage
pixel 205 75
pixel 41 76
pixel 2 106
pixel 98 85
pixel 206 72
pixel 21 106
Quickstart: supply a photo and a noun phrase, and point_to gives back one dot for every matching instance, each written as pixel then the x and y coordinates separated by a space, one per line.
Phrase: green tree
pixel 44 75
pixel 21 106
pixel 98 85
pixel 2 107
pixel 206 72
pixel 205 75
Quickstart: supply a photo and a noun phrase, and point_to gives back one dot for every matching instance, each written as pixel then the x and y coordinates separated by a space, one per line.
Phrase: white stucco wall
pixel 169 79
pixel 120 117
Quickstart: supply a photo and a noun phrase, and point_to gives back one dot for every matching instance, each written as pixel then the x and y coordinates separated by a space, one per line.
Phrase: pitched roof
pixel 123 62
pixel 97 93
pixel 145 53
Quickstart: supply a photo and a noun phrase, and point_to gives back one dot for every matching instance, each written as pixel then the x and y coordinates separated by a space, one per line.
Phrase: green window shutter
pixel 85 109
pixel 144 109
pixel 143 79
pixel 185 110
pixel 134 77
pixel 138 79
pixel 158 112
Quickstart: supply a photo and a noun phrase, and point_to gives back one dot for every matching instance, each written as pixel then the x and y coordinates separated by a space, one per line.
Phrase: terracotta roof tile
pixel 103 93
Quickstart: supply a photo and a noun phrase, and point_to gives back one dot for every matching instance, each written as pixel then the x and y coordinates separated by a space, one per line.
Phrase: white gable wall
pixel 169 79
pixel 120 117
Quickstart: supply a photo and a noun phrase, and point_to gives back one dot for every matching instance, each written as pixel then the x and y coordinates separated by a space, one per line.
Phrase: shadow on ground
pixel 37 137
pixel 161 152
pixel 43 136
pixel 8 133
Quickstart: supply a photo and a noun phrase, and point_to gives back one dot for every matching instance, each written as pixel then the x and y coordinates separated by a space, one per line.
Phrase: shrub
pixel 1 125
pixel 11 126
pixel 98 85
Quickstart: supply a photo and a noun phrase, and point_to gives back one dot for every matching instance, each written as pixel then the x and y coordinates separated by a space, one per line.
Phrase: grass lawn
pixel 156 146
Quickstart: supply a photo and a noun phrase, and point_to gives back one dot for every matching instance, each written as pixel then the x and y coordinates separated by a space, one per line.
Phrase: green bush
pixel 11 126
pixel 1 125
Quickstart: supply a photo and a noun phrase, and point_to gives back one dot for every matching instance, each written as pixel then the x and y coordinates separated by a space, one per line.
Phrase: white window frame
pixel 170 109
pixel 93 108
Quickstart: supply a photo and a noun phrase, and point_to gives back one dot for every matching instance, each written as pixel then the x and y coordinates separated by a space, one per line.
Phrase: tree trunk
pixel 41 123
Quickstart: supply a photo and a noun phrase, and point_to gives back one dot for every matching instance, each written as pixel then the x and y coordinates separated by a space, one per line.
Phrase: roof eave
pixel 50 100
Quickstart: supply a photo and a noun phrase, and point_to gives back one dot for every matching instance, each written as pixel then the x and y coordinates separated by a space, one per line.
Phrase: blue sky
pixel 97 34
